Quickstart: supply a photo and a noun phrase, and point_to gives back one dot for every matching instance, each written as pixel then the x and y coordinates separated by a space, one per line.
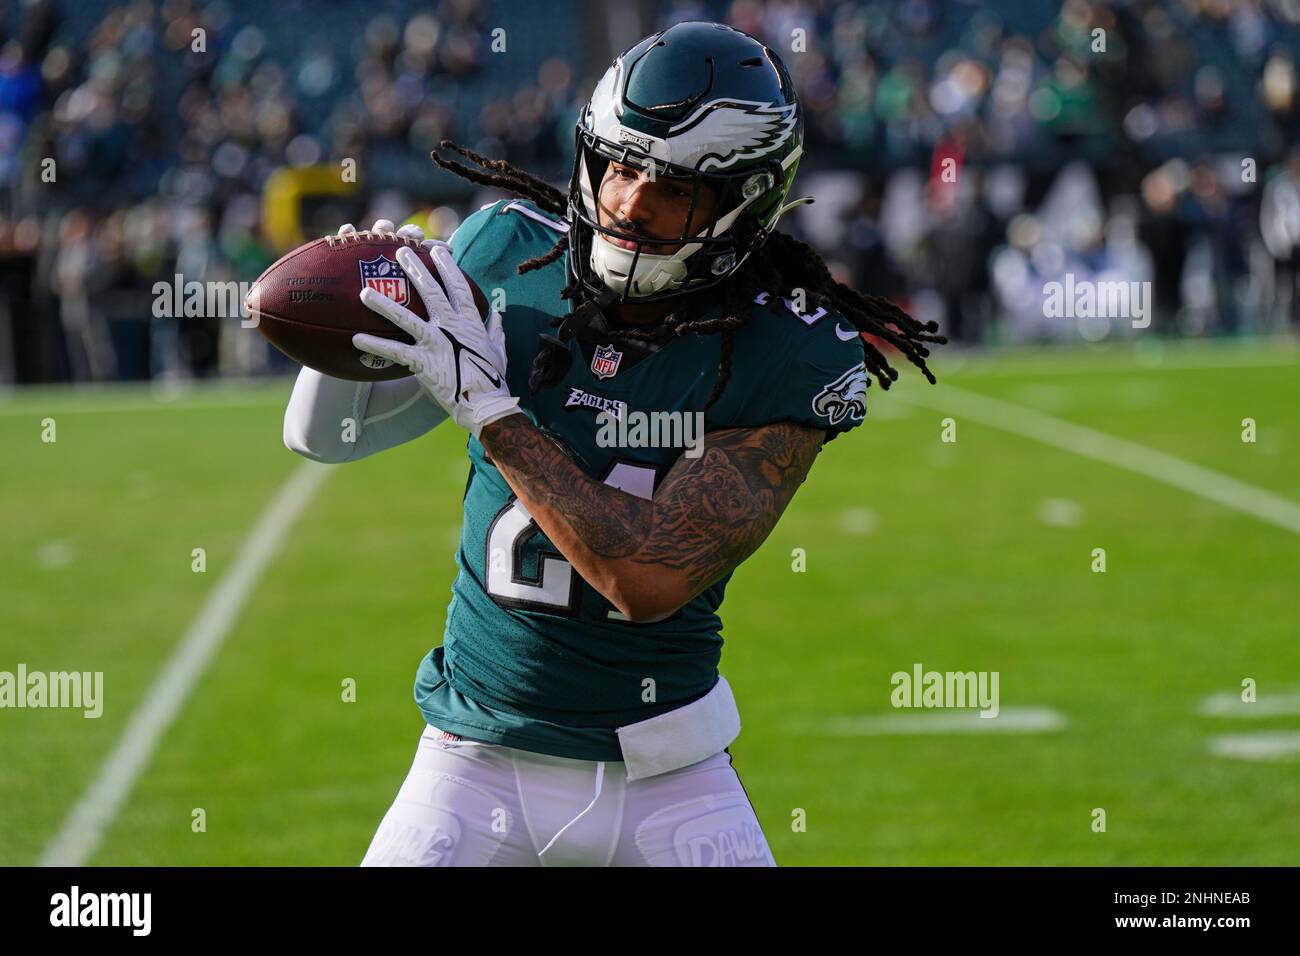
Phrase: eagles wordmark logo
pixel 641 142
pixel 582 399
pixel 846 397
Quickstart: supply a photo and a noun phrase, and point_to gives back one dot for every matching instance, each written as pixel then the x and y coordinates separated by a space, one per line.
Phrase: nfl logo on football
pixel 386 277
pixel 604 364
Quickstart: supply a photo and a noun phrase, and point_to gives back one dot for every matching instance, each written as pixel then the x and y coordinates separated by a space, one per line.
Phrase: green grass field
pixel 973 555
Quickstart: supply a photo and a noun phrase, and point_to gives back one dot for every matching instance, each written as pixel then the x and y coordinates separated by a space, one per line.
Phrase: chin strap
pixel 805 201
pixel 552 361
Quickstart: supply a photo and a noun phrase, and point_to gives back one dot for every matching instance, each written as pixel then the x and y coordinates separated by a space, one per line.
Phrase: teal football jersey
pixel 533 657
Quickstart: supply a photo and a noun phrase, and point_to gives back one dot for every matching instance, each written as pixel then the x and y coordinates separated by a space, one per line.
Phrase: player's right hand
pixel 457 357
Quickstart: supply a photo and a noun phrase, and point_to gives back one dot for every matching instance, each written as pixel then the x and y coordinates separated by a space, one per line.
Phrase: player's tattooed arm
pixel 651 556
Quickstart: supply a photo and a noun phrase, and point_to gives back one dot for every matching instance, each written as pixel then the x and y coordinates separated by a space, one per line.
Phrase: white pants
pixel 467 803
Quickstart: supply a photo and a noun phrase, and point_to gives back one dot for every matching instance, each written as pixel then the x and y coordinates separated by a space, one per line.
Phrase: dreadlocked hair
pixel 782 267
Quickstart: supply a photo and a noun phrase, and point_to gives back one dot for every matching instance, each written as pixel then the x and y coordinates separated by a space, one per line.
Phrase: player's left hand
pixel 458 358
pixel 384 227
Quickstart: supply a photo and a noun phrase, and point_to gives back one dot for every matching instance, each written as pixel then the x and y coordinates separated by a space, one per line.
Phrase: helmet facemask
pixel 708 254
pixel 704 103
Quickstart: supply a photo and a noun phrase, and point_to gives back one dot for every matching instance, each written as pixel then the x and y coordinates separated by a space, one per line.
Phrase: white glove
pixel 460 360
pixel 385 227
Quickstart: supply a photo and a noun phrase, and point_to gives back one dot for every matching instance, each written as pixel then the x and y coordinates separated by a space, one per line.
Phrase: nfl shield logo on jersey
pixel 386 277
pixel 605 362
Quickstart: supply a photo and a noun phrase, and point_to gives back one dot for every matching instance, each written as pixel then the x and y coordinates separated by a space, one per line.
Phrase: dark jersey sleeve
pixel 488 246
pixel 475 262
pixel 800 368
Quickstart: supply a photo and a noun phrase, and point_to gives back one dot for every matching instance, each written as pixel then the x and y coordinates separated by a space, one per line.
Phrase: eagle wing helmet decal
pixel 749 129
pixel 715 110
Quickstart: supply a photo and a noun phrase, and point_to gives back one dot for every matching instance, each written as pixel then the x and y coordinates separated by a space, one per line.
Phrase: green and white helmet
pixel 702 103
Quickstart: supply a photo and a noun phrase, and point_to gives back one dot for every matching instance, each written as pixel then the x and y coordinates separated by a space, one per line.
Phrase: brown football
pixel 308 304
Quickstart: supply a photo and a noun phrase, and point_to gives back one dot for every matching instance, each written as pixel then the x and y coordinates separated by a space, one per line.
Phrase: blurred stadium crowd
pixel 1168 153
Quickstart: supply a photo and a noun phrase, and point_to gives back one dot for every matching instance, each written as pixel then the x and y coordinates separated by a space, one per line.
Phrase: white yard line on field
pixel 181 405
pixel 1018 363
pixel 1264 745
pixel 38 401
pixel 906 723
pixel 1261 744
pixel 84 827
pixel 1267 705
pixel 1017 419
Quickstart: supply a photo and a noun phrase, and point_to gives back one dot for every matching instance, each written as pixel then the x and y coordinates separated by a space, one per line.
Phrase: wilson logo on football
pixel 386 277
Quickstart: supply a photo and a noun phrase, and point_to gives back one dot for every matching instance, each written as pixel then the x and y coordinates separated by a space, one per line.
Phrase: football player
pixel 574 711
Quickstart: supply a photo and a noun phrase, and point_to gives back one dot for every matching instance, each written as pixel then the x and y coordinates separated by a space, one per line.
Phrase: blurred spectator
pixel 136 139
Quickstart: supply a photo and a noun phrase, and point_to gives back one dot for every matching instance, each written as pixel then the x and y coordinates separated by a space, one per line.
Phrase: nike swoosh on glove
pixel 459 359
